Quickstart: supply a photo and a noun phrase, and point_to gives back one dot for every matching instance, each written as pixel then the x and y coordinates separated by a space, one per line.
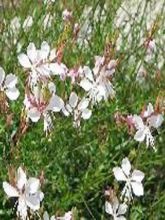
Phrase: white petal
pixel 52 87
pixel 149 110
pixel 33 185
pixel 88 73
pixel 53 54
pixel 73 99
pixel 34 114
pixel 2 75
pixel 140 135
pixel 55 104
pixel 10 190
pixel 119 175
pixel 21 178
pixel 122 209
pixel 45 216
pixel 10 81
pixel 137 188
pixel 137 176
pixel 24 60
pixel 65 111
pixel 86 114
pixel 32 52
pixel 33 202
pixel 126 166
pixel 108 208
pixel 45 49
pixel 12 93
pixel 121 218
pixel 86 84
pixel 138 122
pixel 83 104
pixel 156 120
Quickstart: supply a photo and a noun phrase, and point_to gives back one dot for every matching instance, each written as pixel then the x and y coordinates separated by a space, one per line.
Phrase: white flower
pixel 47 22
pixel 96 86
pixel 8 85
pixel 116 210
pixel 132 180
pixel 37 104
pixel 79 109
pixel 48 1
pixel 28 22
pixel 26 191
pixel 143 131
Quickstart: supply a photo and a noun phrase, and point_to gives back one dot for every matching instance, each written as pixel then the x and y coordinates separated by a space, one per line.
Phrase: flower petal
pixel 73 99
pixel 156 120
pixel 138 122
pixel 2 75
pixel 33 185
pixel 32 52
pixel 137 176
pixel 55 104
pixel 119 175
pixel 140 135
pixel 83 104
pixel 86 84
pixel 126 166
pixel 122 209
pixel 45 50
pixel 108 208
pixel 137 188
pixel 24 60
pixel 10 81
pixel 86 114
pixel 21 178
pixel 10 190
pixel 34 114
pixel 12 93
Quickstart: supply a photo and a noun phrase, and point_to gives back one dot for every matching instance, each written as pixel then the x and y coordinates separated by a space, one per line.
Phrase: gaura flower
pixel 79 109
pixel 116 210
pixel 41 102
pixel 8 85
pixel 133 181
pixel 27 192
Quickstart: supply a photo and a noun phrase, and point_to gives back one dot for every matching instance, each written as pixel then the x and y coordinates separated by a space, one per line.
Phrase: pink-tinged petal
pixel 137 188
pixel 86 114
pixel 139 136
pixel 24 60
pixel 21 178
pixel 137 176
pixel 55 104
pixel 73 100
pixel 2 75
pixel 83 104
pixel 12 93
pixel 119 175
pixel 122 209
pixel 10 81
pixel 10 190
pixel 108 208
pixel 126 166
pixel 86 84
pixel 33 185
pixel 34 114
pixel 32 52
